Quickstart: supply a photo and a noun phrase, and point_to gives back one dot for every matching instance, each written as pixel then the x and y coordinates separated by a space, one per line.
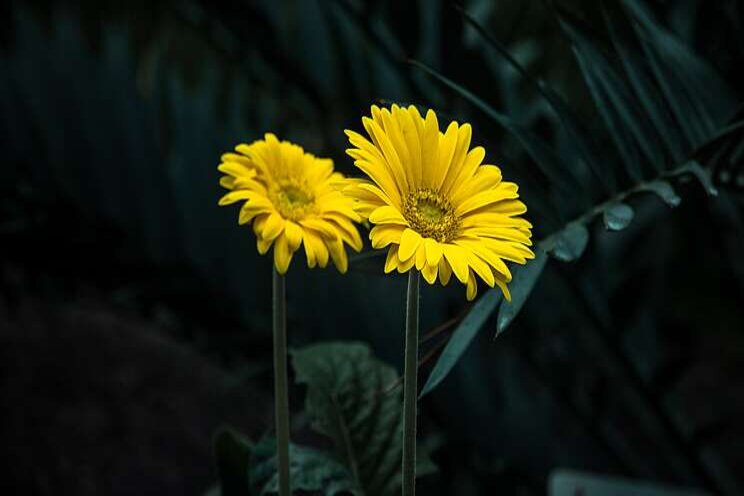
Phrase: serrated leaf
pixel 462 337
pixel 347 400
pixel 232 453
pixel 703 176
pixel 523 281
pixel 570 243
pixel 309 470
pixel 663 190
pixel 617 216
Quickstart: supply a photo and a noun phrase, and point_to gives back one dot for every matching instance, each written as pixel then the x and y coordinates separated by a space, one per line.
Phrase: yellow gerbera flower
pixel 293 199
pixel 433 202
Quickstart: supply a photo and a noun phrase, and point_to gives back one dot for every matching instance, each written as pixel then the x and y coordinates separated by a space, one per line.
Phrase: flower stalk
pixel 281 395
pixel 410 393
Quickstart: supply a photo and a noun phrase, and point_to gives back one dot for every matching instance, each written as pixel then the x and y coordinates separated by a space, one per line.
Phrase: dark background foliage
pixel 135 314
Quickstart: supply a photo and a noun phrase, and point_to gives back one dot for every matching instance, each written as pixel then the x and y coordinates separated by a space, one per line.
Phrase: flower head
pixel 433 202
pixel 293 198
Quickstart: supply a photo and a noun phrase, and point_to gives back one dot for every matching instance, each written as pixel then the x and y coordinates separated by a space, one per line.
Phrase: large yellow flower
pixel 434 203
pixel 293 199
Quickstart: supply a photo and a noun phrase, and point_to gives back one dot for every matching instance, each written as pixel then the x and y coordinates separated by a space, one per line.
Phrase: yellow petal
pixel 458 260
pixel 234 196
pixel 382 236
pixel 464 134
pixel 309 252
pixel 411 138
pixel 433 251
pixel 472 160
pixel 321 226
pixel 282 255
pixel 430 273
pixel 472 288
pixel 420 256
pixel 263 245
pixel 447 144
pixel 391 262
pixel 445 271
pixel 504 289
pixel 429 148
pixel 338 255
pixel 387 215
pixel 293 232
pixel 409 243
pixel 405 266
pixel 273 227
pixel 392 160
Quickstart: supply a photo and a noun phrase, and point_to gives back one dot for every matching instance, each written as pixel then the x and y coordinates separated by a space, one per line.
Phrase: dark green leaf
pixel 568 244
pixel 348 400
pixel 614 103
pixel 462 337
pixel 524 279
pixel 617 216
pixel 634 66
pixel 579 139
pixel 664 190
pixel 232 454
pixel 699 98
pixel 310 470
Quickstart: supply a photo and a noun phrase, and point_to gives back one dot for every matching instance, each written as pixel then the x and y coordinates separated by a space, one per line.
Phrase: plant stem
pixel 281 396
pixel 410 392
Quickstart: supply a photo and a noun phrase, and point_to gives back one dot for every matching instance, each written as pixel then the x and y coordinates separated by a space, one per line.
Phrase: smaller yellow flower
pixel 293 198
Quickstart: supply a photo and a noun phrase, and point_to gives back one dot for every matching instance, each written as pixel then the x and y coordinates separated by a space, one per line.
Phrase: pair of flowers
pixel 431 201
pixel 429 197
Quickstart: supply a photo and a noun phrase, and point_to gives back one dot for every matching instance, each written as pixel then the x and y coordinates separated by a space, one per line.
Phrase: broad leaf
pixel 462 337
pixel 524 279
pixel 348 399
pixel 617 216
pixel 309 470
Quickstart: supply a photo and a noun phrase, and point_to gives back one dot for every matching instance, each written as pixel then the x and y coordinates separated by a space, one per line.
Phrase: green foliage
pixel 247 469
pixel 524 279
pixel 618 216
pixel 310 470
pixel 462 337
pixel 351 399
pixel 667 92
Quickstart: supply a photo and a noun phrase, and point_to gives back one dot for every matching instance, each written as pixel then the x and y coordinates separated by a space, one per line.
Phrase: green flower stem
pixel 410 392
pixel 281 396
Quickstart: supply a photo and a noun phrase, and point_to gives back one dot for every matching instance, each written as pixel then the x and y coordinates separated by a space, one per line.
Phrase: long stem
pixel 281 396
pixel 410 392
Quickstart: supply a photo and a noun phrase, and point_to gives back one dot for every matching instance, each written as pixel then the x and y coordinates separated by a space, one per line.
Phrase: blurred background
pixel 135 314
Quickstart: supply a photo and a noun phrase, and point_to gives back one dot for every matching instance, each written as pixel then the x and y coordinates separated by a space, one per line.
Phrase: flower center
pixel 431 215
pixel 292 200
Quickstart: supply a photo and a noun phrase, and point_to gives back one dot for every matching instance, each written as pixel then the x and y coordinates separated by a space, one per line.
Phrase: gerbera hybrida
pixel 434 203
pixel 293 198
